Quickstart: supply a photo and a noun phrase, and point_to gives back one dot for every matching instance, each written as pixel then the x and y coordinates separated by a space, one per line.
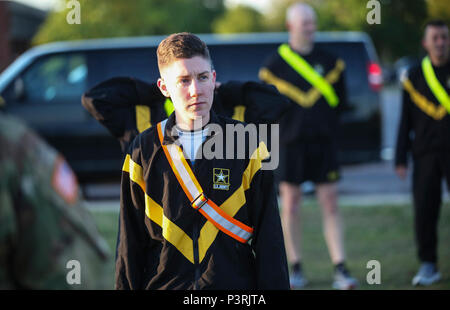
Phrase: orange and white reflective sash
pixel 194 192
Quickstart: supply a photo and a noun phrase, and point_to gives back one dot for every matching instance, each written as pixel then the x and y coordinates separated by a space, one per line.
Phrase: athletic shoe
pixel 427 274
pixel 297 280
pixel 343 280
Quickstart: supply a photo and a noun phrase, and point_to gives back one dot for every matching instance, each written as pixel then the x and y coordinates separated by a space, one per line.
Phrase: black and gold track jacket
pixel 309 117
pixel 164 243
pixel 425 123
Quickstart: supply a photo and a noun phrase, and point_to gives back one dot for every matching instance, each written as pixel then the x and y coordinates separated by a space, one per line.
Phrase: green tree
pixel 439 9
pixel 239 19
pixel 331 15
pixel 275 19
pixel 340 15
pixel 400 31
pixel 116 18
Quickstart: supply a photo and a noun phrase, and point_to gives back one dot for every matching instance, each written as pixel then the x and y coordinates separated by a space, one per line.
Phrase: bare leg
pixel 332 224
pixel 290 214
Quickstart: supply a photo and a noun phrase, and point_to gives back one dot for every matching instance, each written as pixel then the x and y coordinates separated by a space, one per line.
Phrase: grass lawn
pixel 382 233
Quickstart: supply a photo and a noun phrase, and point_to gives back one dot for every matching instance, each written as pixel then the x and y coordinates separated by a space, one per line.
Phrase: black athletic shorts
pixel 308 161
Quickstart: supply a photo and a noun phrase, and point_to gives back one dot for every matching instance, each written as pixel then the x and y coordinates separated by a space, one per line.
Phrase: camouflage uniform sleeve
pixel 49 241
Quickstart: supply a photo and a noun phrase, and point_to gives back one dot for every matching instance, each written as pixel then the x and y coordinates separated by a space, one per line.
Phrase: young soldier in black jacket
pixel 226 237
pixel 425 109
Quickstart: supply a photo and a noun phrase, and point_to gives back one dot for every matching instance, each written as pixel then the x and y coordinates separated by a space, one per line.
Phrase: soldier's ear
pixel 288 26
pixel 214 76
pixel 163 87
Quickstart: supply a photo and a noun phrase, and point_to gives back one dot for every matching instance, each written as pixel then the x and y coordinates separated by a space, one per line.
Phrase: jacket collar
pixel 169 138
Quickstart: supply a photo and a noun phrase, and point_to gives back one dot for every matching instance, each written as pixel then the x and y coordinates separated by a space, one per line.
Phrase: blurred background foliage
pixel 119 18
pixel 398 34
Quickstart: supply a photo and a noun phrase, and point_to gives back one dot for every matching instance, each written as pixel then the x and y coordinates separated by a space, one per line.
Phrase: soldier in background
pixel 424 131
pixel 48 240
pixel 313 80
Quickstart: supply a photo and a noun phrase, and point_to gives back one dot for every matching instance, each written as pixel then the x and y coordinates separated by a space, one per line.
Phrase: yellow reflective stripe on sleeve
pixel 432 82
pixel 435 111
pixel 233 204
pixel 303 68
pixel 239 112
pixel 170 231
pixel 143 117
pixel 168 106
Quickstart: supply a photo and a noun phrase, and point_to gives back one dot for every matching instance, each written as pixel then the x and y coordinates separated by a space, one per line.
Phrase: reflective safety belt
pixel 303 68
pixel 168 106
pixel 194 192
pixel 432 82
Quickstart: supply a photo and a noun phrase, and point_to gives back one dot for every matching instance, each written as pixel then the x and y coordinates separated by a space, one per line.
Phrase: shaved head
pixel 301 24
pixel 299 10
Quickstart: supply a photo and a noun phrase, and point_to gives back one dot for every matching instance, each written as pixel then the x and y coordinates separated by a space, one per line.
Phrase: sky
pixel 262 5
pixel 41 4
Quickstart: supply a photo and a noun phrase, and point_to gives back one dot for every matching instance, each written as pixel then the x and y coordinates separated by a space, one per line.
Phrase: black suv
pixel 44 86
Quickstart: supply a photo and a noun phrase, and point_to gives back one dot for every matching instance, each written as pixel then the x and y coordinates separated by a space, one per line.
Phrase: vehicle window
pixel 55 78
pixel 240 62
pixel 139 63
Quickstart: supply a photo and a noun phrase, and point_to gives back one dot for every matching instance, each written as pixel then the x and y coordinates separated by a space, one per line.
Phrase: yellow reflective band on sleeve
pixel 303 68
pixel 432 82
pixel 239 112
pixel 143 118
pixel 168 106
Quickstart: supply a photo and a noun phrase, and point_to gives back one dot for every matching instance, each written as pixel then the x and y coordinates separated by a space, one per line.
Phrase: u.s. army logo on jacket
pixel 221 178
